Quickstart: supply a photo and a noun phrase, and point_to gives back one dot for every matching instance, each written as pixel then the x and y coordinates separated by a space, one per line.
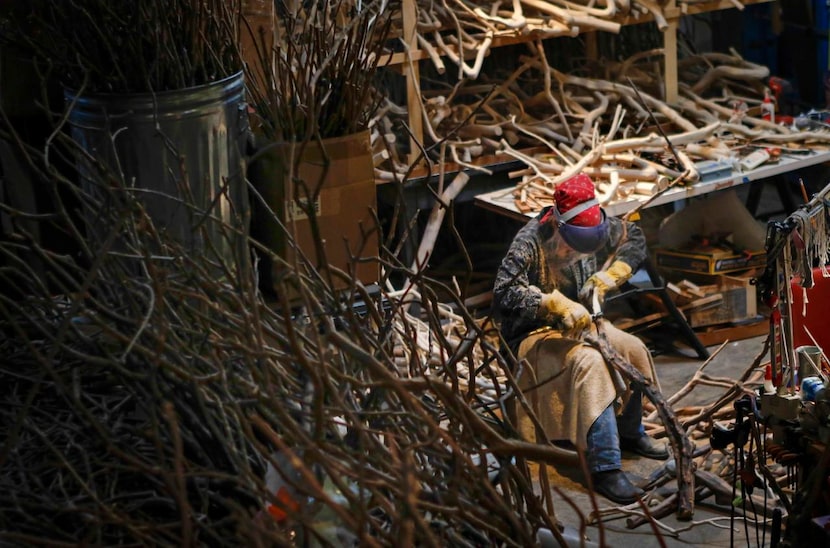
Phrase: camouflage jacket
pixel 539 262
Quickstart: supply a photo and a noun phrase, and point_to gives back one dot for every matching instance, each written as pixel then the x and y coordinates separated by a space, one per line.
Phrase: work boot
pixel 616 487
pixel 646 446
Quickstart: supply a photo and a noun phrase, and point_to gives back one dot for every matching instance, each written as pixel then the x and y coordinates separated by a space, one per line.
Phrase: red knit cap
pixel 571 193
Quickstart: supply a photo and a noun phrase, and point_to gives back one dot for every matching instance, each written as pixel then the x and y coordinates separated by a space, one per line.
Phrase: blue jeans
pixel 604 435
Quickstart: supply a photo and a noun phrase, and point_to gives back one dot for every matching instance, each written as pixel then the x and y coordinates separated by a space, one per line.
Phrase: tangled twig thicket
pixel 319 78
pixel 130 47
pixel 150 393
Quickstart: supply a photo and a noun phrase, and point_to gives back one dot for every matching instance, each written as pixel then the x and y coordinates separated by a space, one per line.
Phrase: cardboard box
pixel 339 177
pixel 341 212
pixel 739 303
pixel 710 260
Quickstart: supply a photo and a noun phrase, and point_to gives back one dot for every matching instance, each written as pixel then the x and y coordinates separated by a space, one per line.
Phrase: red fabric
pixel 573 192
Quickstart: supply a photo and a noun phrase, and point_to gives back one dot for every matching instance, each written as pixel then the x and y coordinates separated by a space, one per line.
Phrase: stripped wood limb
pixel 695 112
pixel 436 217
pixel 537 166
pixel 748 72
pixel 572 154
pixel 681 445
pixel 590 119
pixel 549 93
pixel 475 131
pixel 481 48
pixel 656 10
pixel 646 172
pixel 626 65
pixel 434 56
pixel 636 106
pixel 684 390
pixel 729 397
pixel 468 152
pixel 802 137
pixel 655 141
pixel 645 165
pixel 605 195
pixel 604 171
pixel 616 121
pixel 517 20
pixel 486 23
pixel 576 168
pixel 712 106
pixel 717 152
pixel 539 131
pixel 691 171
pixel 613 87
pixel 609 11
pixel 660 511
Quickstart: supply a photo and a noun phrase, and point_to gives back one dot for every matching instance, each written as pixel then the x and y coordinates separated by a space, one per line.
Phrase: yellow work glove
pixel 571 315
pixel 604 281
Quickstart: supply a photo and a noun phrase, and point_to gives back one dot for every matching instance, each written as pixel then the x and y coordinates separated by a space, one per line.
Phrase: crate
pixel 739 302
pixel 709 260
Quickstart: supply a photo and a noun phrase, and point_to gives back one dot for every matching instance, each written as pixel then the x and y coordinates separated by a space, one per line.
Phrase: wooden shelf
pixel 510 37
pixel 408 62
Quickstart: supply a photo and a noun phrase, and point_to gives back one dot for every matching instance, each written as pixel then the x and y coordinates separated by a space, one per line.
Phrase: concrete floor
pixel 710 524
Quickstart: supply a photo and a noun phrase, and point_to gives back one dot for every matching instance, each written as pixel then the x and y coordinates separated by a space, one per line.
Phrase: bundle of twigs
pixel 148 399
pixel 130 47
pixel 319 78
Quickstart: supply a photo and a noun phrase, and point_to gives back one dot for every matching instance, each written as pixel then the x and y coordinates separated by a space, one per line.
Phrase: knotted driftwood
pixel 681 445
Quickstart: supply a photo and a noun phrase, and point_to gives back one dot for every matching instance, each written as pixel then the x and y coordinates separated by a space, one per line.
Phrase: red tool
pixel 776 86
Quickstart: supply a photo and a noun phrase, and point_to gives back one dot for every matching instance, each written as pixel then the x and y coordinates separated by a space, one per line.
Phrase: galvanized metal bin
pixel 180 153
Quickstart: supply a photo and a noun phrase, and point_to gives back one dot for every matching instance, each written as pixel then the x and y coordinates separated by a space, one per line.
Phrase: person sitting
pixel 553 265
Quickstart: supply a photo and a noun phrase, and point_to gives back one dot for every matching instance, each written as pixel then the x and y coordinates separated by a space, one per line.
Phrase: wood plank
pixel 413 80
pixel 670 78
pixel 718 335
pixel 624 324
pixel 627 324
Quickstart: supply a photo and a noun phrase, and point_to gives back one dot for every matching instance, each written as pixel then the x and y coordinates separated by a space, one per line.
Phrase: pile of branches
pixel 462 29
pixel 604 117
pixel 152 396
pixel 318 75
pixel 127 47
